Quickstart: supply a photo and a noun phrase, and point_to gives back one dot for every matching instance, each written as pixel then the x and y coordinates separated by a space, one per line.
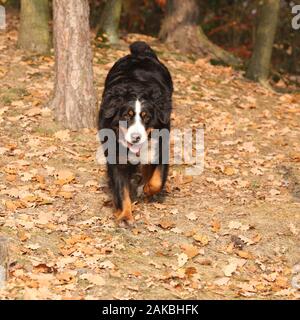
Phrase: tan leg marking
pixel 126 213
pixel 154 184
pixel 147 172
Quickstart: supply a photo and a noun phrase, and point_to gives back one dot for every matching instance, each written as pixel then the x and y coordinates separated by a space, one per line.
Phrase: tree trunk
pixel 180 28
pixel 4 261
pixel 109 21
pixel 34 29
pixel 259 66
pixel 74 99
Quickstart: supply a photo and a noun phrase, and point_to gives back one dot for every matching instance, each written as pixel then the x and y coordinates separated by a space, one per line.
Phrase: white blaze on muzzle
pixel 136 134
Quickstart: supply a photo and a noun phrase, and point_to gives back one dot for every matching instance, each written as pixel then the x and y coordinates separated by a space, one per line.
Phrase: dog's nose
pixel 135 137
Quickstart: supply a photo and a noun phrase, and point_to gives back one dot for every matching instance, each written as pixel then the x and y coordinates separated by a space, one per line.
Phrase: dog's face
pixel 135 125
pixel 134 115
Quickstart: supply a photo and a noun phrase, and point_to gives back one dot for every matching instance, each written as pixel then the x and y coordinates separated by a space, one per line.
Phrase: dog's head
pixel 135 116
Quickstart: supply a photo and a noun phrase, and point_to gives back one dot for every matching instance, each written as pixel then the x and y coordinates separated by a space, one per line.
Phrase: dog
pixel 136 102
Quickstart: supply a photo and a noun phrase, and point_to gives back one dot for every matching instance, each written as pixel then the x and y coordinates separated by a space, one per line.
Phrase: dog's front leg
pixel 155 178
pixel 120 186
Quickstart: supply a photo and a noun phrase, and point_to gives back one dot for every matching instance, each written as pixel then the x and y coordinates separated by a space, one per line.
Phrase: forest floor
pixel 232 232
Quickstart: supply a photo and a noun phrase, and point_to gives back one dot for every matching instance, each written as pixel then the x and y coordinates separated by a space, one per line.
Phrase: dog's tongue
pixel 135 148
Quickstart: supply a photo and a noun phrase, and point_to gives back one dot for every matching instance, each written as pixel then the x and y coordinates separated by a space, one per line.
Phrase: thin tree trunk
pixel 4 261
pixel 259 66
pixel 34 29
pixel 110 20
pixel 180 28
pixel 74 99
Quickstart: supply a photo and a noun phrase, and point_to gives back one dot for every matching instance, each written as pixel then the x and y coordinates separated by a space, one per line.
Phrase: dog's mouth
pixel 135 148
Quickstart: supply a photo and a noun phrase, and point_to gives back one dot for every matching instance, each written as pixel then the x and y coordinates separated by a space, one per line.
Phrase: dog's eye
pixel 145 117
pixel 130 113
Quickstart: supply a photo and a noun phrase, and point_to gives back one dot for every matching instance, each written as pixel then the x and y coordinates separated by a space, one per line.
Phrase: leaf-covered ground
pixel 230 233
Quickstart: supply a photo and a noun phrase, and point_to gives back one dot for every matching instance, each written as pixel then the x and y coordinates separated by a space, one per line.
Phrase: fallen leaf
pixel 66 277
pixel 203 239
pixel 34 112
pixel 33 246
pixel 190 250
pixel 215 226
pixel 229 171
pixel 106 264
pixel 166 224
pixel 93 278
pixel 238 225
pixel 177 230
pixel 229 269
pixel 274 192
pixel 191 216
pixel 246 240
pixel 65 194
pixel 182 259
pixel 234 225
pixel 248 147
pixel 221 281
pixel 245 254
pixel 23 236
pixel 190 271
pixel 293 229
pixel 64 177
pixel 63 135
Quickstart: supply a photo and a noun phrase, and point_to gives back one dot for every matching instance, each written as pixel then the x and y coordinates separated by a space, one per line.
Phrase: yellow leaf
pixel 203 239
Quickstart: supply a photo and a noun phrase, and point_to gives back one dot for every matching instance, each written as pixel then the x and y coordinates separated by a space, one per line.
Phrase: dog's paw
pixel 125 217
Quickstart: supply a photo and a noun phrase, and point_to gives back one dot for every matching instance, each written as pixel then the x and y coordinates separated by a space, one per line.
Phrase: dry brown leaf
pixel 33 246
pixel 166 224
pixel 215 226
pixel 182 259
pixel 190 271
pixel 23 236
pixel 191 216
pixel 229 171
pixel 66 277
pixel 203 239
pixel 63 135
pixel 64 177
pixel 106 265
pixel 190 250
pixel 245 254
pixel 229 269
pixel 93 278
pixel 34 112
pixel 65 194
pixel 222 281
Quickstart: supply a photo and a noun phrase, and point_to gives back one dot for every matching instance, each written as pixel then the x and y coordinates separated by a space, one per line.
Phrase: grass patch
pixel 7 96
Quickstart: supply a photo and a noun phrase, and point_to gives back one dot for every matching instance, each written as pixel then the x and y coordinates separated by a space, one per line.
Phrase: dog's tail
pixel 141 49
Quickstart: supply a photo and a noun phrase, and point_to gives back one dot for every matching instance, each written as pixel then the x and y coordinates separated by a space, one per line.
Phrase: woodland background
pixel 230 233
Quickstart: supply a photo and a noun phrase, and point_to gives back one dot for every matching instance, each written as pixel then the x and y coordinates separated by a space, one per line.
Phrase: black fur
pixel 139 75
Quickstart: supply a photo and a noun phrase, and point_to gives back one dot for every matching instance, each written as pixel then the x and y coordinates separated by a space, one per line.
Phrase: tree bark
pixel 4 261
pixel 74 99
pixel 34 29
pixel 181 29
pixel 110 20
pixel 259 66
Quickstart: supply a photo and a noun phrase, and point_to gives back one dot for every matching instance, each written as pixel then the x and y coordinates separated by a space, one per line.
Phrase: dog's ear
pixel 109 112
pixel 164 116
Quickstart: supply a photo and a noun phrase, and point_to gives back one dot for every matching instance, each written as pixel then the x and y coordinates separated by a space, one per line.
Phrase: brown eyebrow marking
pixel 143 114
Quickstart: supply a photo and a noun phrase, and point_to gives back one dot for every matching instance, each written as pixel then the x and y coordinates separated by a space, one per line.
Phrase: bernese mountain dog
pixel 136 102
